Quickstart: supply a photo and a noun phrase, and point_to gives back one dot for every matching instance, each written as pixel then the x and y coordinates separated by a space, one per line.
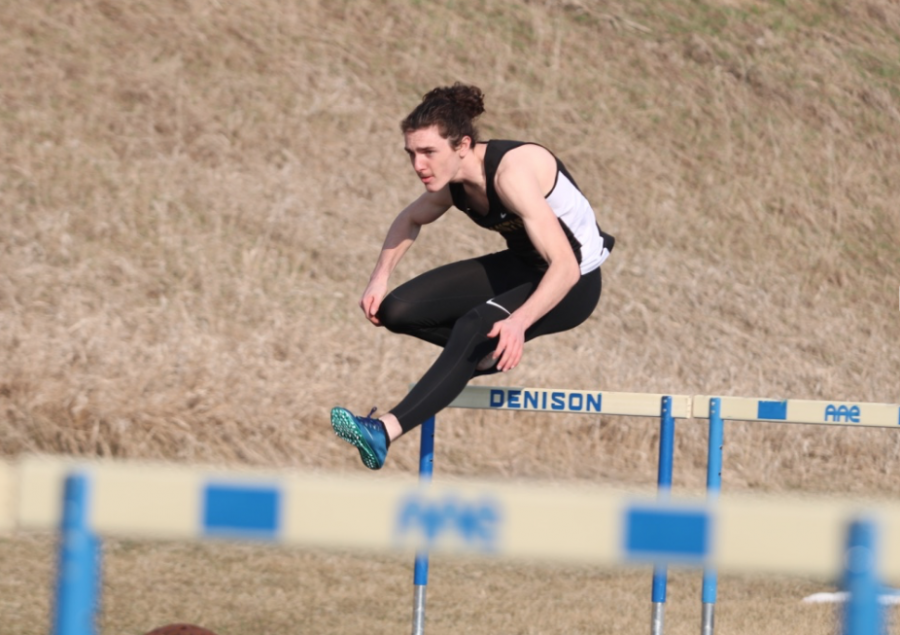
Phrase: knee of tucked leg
pixel 394 314
pixel 478 321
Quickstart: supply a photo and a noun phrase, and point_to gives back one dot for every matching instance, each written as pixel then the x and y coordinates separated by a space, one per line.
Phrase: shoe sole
pixel 346 427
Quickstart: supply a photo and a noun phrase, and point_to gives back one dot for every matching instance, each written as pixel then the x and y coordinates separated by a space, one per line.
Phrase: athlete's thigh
pixel 572 310
pixel 446 293
pixel 513 298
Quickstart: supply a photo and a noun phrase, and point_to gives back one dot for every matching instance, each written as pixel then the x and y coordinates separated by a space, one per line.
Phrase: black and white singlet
pixel 576 217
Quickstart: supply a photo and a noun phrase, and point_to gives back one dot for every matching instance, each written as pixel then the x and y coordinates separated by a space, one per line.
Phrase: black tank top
pixel 500 219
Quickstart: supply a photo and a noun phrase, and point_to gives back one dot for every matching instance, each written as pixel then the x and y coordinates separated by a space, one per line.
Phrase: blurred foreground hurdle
pixel 860 541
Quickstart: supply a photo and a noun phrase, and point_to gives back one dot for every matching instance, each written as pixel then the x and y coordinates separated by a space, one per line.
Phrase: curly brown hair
pixel 452 109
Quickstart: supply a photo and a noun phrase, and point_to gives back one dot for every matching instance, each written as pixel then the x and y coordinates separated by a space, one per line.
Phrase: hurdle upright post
pixel 420 575
pixel 78 579
pixel 664 488
pixel 713 487
pixel 861 613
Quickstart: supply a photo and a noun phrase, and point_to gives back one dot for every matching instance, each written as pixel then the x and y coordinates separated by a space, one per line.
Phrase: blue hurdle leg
pixel 420 575
pixel 78 575
pixel 664 487
pixel 862 613
pixel 713 487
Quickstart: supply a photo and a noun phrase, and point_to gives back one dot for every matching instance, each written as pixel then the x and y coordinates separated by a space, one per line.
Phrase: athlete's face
pixel 435 161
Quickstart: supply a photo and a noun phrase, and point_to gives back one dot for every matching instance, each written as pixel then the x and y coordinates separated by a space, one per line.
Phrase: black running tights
pixel 455 306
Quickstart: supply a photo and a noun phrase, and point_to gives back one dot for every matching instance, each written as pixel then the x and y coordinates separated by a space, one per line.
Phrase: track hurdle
pixel 858 541
pixel 666 407
pixel 798 411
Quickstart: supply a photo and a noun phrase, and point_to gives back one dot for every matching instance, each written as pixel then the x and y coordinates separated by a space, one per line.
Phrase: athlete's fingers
pixel 496 333
pixel 501 332
pixel 517 355
pixel 511 356
pixel 503 350
pixel 370 305
pixel 370 302
pixel 374 305
pixel 510 346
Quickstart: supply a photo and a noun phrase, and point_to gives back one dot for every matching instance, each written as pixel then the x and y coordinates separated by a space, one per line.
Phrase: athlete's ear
pixel 465 144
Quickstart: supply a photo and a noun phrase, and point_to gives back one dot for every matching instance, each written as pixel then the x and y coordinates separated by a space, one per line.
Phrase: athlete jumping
pixel 480 311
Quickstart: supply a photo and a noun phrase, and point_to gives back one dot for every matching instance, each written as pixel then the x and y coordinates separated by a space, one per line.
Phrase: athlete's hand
pixel 510 344
pixel 371 300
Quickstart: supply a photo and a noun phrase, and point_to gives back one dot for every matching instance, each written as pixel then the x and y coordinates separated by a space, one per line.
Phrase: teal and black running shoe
pixel 366 434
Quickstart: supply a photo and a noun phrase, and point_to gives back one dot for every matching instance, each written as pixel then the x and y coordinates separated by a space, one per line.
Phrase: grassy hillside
pixel 193 195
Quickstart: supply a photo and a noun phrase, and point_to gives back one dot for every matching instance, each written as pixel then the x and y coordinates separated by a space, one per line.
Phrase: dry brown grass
pixel 192 194
pixel 242 589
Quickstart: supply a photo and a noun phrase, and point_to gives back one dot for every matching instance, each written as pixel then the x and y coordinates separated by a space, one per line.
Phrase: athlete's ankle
pixel 392 427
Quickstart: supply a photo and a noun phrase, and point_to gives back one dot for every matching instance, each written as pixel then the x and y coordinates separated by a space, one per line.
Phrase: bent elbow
pixel 566 270
pixel 574 275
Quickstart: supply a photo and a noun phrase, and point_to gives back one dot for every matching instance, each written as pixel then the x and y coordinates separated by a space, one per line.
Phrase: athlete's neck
pixel 471 169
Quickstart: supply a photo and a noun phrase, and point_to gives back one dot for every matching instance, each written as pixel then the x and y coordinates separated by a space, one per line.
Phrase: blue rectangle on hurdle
pixel 772 410
pixel 241 511
pixel 680 535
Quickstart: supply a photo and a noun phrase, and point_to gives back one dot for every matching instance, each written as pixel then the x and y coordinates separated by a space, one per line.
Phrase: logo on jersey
pixel 513 224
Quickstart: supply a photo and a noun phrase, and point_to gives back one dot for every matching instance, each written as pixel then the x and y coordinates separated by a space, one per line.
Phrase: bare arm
pixel 403 232
pixel 521 184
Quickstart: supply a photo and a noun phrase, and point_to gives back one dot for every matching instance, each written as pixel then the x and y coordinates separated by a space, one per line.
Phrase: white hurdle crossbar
pixel 841 413
pixel 795 535
pixel 570 401
pixel 549 522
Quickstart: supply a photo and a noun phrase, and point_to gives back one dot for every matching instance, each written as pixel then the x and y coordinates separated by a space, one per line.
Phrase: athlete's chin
pixel 431 183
